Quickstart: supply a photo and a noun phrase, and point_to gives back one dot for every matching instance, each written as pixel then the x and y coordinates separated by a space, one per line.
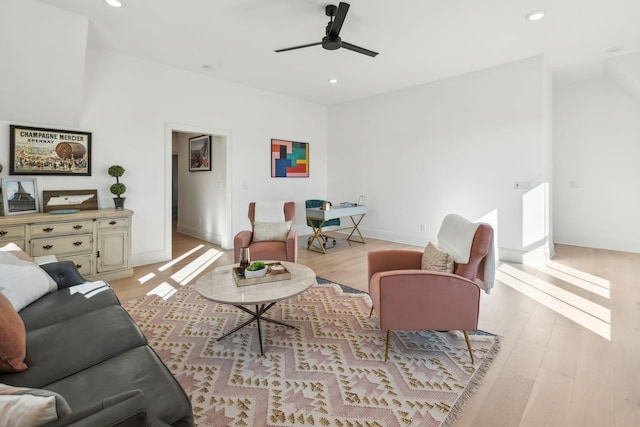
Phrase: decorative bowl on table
pixel 276 269
pixel 256 269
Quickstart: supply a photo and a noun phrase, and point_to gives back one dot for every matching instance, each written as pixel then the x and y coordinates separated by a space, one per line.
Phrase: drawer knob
pixel 78 266
pixel 47 247
pixel 48 229
pixel 2 232
pixel 77 227
pixel 113 222
pixel 78 243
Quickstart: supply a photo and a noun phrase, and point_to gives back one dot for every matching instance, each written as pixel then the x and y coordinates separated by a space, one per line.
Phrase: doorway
pixel 199 202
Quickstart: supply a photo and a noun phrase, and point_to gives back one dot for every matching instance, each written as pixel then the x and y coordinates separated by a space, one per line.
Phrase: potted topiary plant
pixel 118 188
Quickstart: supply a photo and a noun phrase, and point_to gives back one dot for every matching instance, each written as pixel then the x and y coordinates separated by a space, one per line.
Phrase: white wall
pixel 132 100
pixel 624 72
pixel 596 152
pixel 127 105
pixel 456 145
pixel 43 55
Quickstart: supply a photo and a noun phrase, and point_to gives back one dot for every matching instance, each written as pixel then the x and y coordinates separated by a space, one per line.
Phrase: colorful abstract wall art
pixel 289 159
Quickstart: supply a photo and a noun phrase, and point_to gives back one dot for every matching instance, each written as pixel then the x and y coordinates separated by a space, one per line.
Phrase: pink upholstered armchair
pixel 285 249
pixel 405 297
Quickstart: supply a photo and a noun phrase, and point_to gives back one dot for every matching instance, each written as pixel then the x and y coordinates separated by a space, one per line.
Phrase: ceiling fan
pixel 332 40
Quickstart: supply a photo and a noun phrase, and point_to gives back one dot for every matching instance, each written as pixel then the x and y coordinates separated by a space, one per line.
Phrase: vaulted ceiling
pixel 418 40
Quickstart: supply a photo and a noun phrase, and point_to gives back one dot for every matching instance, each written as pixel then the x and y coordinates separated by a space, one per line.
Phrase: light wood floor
pixel 570 352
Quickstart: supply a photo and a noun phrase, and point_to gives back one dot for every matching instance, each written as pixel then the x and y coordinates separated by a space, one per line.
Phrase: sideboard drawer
pixel 11 233
pixel 109 223
pixel 63 245
pixel 54 228
pixel 19 242
pixel 82 263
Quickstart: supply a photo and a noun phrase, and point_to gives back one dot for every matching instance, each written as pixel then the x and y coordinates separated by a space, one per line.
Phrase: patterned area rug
pixel 328 371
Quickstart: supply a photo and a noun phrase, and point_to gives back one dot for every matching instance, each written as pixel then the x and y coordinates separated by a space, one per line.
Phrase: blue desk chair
pixel 316 203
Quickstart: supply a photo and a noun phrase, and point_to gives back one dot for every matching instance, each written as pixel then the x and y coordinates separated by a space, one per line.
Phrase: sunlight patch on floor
pixel 579 278
pixel 574 300
pixel 586 313
pixel 146 278
pixel 197 266
pixel 180 258
pixel 167 285
pixel 163 290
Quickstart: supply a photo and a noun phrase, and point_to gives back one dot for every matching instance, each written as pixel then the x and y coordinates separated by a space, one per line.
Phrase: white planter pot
pixel 253 274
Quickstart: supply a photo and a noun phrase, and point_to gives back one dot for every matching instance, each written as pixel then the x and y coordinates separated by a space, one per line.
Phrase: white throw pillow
pixel 23 282
pixel 436 260
pixel 30 407
pixel 271 231
pixel 17 251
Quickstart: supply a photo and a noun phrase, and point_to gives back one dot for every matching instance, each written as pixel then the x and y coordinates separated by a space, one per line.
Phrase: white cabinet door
pixel 114 244
pixel 113 250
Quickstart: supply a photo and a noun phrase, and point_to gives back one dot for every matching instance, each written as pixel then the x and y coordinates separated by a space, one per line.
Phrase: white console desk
pixel 355 213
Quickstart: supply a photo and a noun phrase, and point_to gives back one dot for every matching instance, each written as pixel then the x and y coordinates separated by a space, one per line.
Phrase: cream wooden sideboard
pixel 97 241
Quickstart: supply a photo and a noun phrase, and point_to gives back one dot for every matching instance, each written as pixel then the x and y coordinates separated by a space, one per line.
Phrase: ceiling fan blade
pixel 343 8
pixel 298 47
pixel 358 49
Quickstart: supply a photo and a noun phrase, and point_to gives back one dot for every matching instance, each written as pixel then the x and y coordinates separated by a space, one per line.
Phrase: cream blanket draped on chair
pixel 456 236
pixel 269 211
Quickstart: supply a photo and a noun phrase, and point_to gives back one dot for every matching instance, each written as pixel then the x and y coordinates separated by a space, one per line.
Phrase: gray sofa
pixel 84 346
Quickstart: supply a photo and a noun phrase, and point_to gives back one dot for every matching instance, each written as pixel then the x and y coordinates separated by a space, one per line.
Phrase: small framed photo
pixel 39 151
pixel 200 153
pixel 20 196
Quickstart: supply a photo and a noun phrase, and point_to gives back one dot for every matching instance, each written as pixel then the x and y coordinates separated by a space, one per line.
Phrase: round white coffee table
pixel 220 286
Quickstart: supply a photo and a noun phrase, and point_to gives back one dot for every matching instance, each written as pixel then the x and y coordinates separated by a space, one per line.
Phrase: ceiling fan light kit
pixel 332 40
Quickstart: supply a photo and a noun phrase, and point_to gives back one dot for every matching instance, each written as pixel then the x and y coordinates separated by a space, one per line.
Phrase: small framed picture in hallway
pixel 200 153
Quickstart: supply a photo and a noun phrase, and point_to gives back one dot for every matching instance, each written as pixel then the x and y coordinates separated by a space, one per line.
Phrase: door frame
pixel 226 238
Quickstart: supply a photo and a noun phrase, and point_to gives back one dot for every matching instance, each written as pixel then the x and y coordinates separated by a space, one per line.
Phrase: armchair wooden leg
pixel 371 312
pixel 466 338
pixel 386 347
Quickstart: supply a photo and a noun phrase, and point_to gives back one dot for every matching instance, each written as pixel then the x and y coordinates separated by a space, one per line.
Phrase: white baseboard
pixel 198 233
pixel 150 257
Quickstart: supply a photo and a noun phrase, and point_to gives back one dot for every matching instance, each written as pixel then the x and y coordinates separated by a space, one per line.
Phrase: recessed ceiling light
pixel 333 81
pixel 534 16
pixel 114 3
